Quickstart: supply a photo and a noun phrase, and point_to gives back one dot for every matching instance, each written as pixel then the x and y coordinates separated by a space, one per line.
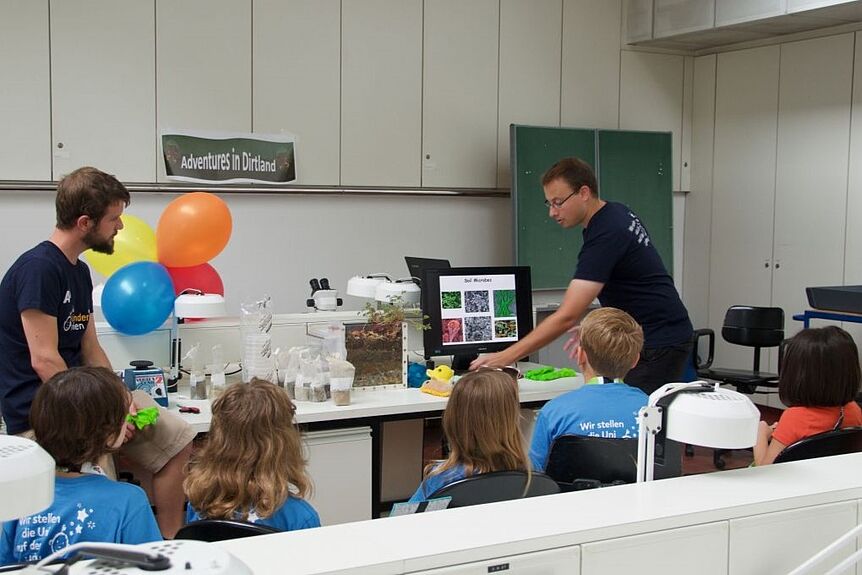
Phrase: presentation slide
pixel 478 309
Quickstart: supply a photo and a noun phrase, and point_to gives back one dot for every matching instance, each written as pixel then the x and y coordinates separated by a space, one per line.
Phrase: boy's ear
pixel 581 357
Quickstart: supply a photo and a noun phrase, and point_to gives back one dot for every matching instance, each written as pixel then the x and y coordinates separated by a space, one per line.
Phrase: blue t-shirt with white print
pixel 436 481
pixel 88 508
pixel 596 410
pixel 294 514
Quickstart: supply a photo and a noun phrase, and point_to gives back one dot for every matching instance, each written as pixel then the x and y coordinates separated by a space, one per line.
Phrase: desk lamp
pixel 26 477
pixel 191 303
pixel 695 413
pixel 404 288
pixel 365 286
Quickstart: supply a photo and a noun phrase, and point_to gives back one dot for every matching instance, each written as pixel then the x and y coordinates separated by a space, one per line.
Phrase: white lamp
pixel 365 286
pixel 26 477
pixel 404 288
pixel 191 303
pixel 695 413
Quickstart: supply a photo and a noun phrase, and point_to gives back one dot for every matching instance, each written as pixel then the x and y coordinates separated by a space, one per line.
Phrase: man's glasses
pixel 558 203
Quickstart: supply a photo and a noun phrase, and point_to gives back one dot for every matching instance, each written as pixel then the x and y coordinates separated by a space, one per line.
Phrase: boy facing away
pixel 78 415
pixel 609 347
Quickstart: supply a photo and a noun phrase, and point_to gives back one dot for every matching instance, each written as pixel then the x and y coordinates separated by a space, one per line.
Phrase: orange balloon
pixel 193 229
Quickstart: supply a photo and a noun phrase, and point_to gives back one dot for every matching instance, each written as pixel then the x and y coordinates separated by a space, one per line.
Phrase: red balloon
pixel 202 277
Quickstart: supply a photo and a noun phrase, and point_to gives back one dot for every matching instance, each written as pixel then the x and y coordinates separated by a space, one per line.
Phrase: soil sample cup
pixel 341 389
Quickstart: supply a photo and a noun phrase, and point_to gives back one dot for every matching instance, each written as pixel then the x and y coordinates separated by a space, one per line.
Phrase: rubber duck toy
pixel 438 383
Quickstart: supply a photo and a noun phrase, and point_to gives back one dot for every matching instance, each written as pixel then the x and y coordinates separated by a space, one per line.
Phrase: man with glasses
pixel 619 265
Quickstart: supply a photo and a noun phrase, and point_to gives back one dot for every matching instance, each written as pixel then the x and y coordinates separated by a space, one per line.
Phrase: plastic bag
pixel 333 341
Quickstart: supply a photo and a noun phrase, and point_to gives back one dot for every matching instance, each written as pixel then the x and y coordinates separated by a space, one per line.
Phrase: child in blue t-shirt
pixel 481 425
pixel 610 345
pixel 251 467
pixel 77 416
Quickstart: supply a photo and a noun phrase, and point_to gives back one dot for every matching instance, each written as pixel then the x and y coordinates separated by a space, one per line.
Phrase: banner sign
pixel 207 157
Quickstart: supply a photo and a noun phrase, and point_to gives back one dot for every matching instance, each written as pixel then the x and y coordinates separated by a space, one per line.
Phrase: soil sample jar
pixel 341 380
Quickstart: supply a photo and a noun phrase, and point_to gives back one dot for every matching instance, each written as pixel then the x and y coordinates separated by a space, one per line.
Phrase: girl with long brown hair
pixel 481 426
pixel 252 467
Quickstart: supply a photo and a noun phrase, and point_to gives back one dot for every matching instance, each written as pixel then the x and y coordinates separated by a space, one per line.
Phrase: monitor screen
pixel 475 310
pixel 418 266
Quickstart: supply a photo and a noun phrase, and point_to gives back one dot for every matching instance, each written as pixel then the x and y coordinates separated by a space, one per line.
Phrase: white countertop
pixel 379 402
pixel 429 540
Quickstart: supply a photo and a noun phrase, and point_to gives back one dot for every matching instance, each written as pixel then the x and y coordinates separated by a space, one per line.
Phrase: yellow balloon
pixel 136 242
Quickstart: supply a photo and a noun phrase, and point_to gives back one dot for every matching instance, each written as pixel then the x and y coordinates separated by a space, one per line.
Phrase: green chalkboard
pixel 632 167
pixel 549 250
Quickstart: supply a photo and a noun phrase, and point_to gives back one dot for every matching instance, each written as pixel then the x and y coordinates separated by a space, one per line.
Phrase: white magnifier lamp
pixel 366 286
pixel 191 303
pixel 404 288
pixel 26 477
pixel 695 413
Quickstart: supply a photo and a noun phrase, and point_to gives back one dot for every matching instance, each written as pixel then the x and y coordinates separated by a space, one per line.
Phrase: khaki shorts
pixel 153 446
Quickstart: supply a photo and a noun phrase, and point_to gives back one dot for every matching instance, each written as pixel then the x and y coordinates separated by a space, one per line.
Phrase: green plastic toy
pixel 550 373
pixel 145 417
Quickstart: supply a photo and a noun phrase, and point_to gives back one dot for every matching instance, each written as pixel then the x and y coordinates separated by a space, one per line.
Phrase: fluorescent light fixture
pixel 26 478
pixel 695 413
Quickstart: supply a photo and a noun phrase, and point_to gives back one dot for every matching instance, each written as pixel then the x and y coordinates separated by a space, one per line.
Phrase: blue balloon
pixel 138 298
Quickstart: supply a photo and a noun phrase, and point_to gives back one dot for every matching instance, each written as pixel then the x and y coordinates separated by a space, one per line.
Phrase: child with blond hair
pixel 251 467
pixel 481 424
pixel 610 345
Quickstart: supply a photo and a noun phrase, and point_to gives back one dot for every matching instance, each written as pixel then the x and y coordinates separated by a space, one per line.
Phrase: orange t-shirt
pixel 800 422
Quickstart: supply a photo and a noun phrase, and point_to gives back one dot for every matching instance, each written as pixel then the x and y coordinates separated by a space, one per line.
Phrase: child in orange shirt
pixel 819 381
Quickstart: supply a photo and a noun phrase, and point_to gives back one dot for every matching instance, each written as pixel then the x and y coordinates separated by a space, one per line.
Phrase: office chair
pixel 832 442
pixel 750 326
pixel 580 462
pixel 222 529
pixel 496 486
pixel 756 327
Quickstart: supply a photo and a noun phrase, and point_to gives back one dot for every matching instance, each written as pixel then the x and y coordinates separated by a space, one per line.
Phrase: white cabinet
pixel 743 194
pixel 204 66
pixel 729 12
pixel 563 561
pixel 780 178
pixel 812 166
pixel 25 91
pixel 381 92
pixel 674 17
pixel 651 95
pixel 590 85
pixel 103 87
pixel 638 16
pixel 779 542
pixel 339 464
pixel 459 104
pixel 296 81
pixel 530 41
pixel 700 549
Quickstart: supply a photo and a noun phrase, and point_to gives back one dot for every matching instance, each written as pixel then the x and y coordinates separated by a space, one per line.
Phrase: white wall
pixel 280 241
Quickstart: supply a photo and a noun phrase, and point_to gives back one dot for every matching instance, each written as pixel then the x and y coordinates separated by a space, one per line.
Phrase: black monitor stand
pixel 461 362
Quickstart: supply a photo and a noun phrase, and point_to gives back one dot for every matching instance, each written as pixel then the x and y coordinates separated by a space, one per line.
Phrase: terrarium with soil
pixel 378 348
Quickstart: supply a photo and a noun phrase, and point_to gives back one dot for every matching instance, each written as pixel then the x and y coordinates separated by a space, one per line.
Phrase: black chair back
pixel 496 486
pixel 222 529
pixel 834 442
pixel 753 326
pixel 583 462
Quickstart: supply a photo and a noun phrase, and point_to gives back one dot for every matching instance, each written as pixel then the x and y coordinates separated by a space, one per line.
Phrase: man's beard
pixel 102 246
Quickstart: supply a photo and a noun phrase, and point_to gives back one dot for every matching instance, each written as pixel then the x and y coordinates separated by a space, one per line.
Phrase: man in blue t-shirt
pixel 46 326
pixel 619 265
pixel 610 344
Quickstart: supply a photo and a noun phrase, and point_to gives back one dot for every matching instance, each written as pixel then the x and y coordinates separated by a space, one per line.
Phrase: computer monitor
pixel 418 266
pixel 475 310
